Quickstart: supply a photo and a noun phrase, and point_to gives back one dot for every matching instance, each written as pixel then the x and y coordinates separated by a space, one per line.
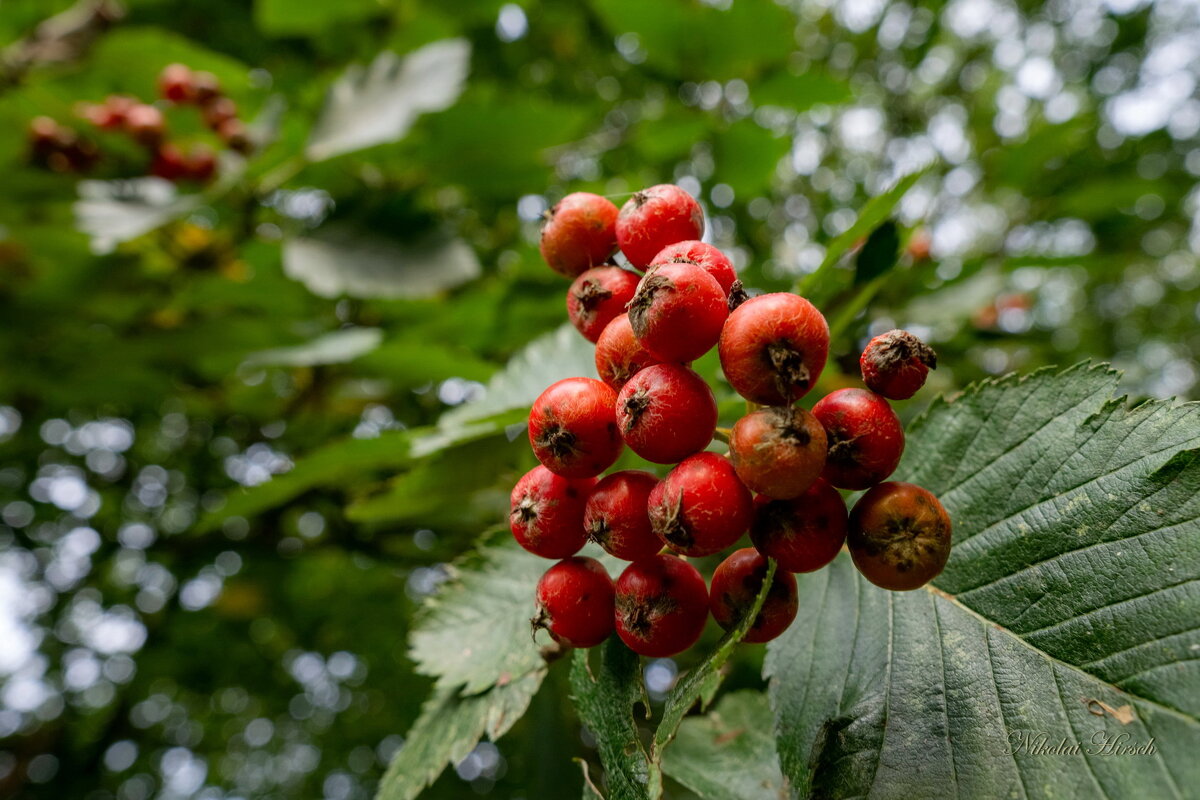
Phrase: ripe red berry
pixel 576 602
pixel 701 507
pixel 220 110
pixel 619 354
pixel 234 134
pixel 899 536
pixel 802 534
pixel 145 123
pixel 169 163
pixel 580 233
pixel 201 165
pixel 736 583
pixel 573 430
pixel 597 296
pixel 44 135
pixel 865 437
pixel 546 514
pixel 773 348
pixel 617 515
pixel 778 450
pixel 175 83
pixel 666 412
pixel 205 88
pixel 895 364
pixel 705 255
pixel 661 606
pixel 678 311
pixel 654 218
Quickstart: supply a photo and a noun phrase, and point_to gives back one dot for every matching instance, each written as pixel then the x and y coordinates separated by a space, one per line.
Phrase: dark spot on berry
pixel 635 406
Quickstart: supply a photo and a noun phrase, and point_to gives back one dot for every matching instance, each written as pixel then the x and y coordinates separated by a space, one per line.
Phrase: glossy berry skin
pixel 701 507
pixel 619 354
pixel 654 218
pixel 773 348
pixel 802 534
pixel 705 255
pixel 895 364
pixel 778 450
pixel 661 606
pixel 145 123
pixel 546 516
pixel 899 536
pixel 576 601
pixel 617 516
pixel 666 412
pixel 865 437
pixel 580 233
pixel 573 430
pixel 597 297
pixel 678 311
pixel 175 83
pixel 736 583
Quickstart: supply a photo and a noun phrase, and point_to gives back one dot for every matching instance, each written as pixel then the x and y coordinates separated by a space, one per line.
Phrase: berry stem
pixel 722 434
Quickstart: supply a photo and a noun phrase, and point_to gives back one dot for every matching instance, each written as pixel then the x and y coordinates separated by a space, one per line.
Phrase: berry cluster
pixel 785 465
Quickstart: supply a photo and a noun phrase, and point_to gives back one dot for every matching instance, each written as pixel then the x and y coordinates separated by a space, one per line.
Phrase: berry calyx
pixel 597 296
pixel 654 218
pixel 573 429
pixel 661 606
pixel 617 516
pixel 704 255
pixel 802 534
pixel 865 437
pixel 580 233
pixel 736 583
pixel 778 451
pixel 546 513
pixel 701 507
pixel 576 602
pixel 899 536
pixel 678 311
pixel 895 364
pixel 619 354
pixel 773 348
pixel 666 412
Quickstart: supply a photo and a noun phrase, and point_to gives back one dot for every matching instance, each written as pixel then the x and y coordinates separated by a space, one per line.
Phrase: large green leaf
pixel 337 347
pixel 311 17
pixel 1069 609
pixel 111 212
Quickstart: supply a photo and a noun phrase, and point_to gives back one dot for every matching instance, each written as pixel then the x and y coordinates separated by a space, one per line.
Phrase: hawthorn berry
pixel 546 515
pixel 895 364
pixel 572 428
pixel 678 311
pixel 736 583
pixel 219 111
pixel 802 534
pixel 773 348
pixel 169 163
pixel 201 164
pixel 778 450
pixel 205 88
pixel 145 123
pixel 597 296
pixel 580 233
pixel 666 412
pixel 654 218
pixel 234 134
pixel 899 536
pixel 865 437
pixel 701 507
pixel 661 606
pixel 619 354
pixel 175 83
pixel 617 516
pixel 702 254
pixel 576 602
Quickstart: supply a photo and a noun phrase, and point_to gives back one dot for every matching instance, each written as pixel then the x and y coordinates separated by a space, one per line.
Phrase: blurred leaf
pixel 746 156
pixel 800 92
pixel 878 253
pixel 311 17
pixel 413 361
pixel 111 212
pixel 129 59
pixel 337 347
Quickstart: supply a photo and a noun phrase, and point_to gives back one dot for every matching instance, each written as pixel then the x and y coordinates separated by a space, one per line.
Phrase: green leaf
pixel 337 347
pixel 1068 609
pixel 728 754
pixel 878 254
pixel 746 156
pixel 111 212
pixel 800 92
pixel 311 17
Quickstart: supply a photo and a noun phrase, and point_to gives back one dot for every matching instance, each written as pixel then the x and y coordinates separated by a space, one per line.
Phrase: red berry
pixel 205 88
pixel 894 364
pixel 617 515
pixel 736 583
pixel 704 255
pixel 573 430
pixel 773 348
pixel 597 296
pixel 547 513
pixel 678 311
pixel 576 602
pixel 580 233
pixel 619 354
pixel 654 218
pixel 175 83
pixel 234 134
pixel 220 110
pixel 661 606
pixel 44 135
pixel 701 507
pixel 802 534
pixel 778 450
pixel 145 123
pixel 666 412
pixel 865 437
pixel 201 165
pixel 899 536
pixel 169 163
